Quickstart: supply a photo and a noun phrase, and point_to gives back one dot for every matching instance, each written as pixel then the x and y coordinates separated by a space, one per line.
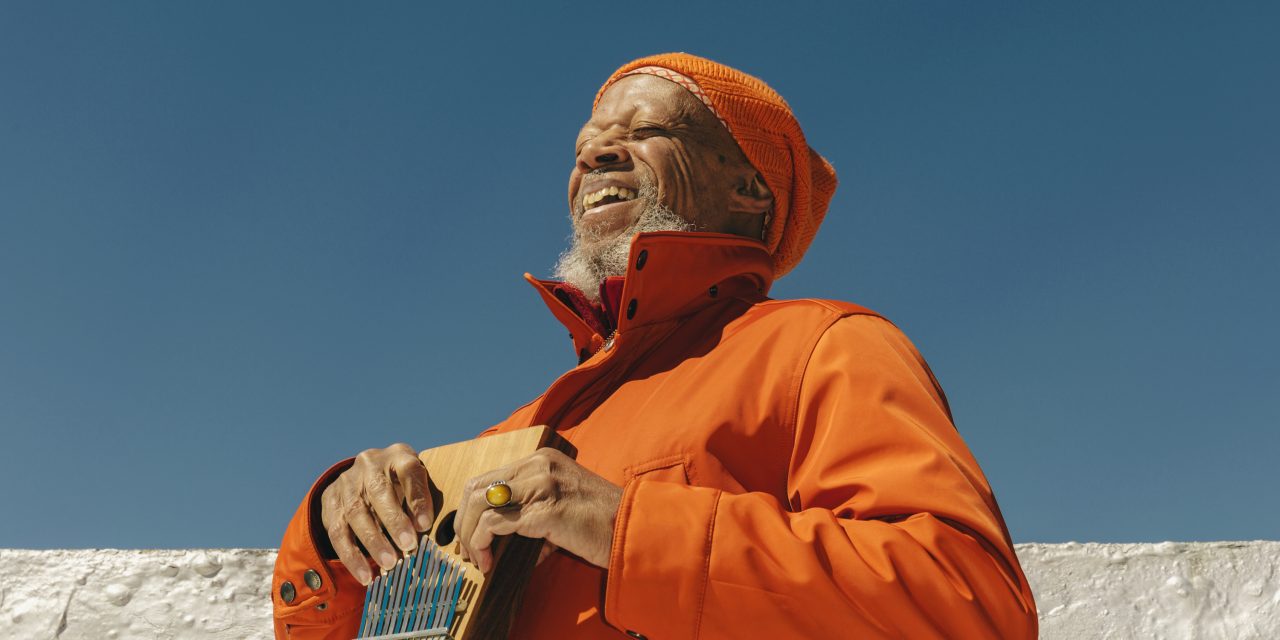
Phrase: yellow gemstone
pixel 498 495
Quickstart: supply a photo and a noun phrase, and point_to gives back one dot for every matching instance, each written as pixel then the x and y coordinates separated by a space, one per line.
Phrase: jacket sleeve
pixel 889 529
pixel 332 611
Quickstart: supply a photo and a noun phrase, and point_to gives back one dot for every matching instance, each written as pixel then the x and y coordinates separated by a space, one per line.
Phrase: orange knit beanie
pixel 761 122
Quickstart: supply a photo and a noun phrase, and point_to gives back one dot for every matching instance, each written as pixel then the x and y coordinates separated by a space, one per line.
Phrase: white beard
pixel 589 260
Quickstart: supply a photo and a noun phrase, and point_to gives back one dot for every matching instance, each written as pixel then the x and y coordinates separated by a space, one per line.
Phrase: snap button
pixel 631 309
pixel 288 593
pixel 714 291
pixel 312 579
pixel 641 259
pixel 322 606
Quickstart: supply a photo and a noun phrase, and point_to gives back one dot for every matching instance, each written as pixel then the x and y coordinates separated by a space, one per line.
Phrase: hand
pixel 552 497
pixel 384 489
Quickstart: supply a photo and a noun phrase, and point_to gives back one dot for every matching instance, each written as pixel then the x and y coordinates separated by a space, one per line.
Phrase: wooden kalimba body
pixel 433 593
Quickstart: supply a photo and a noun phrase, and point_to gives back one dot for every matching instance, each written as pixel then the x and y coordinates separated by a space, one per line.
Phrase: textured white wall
pixel 1167 590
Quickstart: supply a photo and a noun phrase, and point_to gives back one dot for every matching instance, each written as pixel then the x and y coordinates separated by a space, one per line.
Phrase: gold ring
pixel 498 494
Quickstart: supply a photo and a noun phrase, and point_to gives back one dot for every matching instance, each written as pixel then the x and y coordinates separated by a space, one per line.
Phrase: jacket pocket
pixel 671 468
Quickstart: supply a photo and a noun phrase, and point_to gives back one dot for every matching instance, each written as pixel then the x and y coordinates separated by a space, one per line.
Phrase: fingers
pixel 491 523
pixel 382 493
pixel 472 506
pixel 416 489
pixel 369 532
pixel 344 544
pixel 343 541
pixel 558 500
pixel 547 550
pixel 464 520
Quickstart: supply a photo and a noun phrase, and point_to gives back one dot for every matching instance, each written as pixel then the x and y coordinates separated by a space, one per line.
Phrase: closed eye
pixel 647 132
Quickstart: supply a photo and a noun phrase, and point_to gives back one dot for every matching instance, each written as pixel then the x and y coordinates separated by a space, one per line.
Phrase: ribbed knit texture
pixel 761 122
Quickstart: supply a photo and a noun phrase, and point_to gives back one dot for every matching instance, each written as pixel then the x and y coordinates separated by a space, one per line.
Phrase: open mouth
pixel 606 196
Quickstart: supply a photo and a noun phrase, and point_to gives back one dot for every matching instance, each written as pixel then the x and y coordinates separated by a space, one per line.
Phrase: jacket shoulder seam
pixel 835 306
pixel 797 382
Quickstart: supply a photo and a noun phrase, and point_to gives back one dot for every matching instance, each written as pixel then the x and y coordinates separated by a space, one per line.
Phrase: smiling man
pixel 746 467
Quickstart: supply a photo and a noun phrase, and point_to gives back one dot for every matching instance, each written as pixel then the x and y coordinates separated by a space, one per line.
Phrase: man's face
pixel 647 131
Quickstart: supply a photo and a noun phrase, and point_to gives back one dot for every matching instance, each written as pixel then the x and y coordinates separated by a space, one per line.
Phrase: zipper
pixel 607 344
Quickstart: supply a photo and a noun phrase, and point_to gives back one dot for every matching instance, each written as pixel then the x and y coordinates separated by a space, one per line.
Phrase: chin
pixel 601 232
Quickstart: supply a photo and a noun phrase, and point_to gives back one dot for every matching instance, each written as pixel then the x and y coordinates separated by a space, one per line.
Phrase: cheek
pixel 575 179
pixel 674 170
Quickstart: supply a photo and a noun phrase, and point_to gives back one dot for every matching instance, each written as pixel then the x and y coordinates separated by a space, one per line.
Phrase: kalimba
pixel 433 593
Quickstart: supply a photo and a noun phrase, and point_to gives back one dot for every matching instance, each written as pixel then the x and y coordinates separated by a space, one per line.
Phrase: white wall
pixel 1167 590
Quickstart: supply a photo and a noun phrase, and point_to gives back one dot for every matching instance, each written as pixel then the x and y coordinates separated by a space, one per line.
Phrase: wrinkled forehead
pixel 679 79
pixel 647 96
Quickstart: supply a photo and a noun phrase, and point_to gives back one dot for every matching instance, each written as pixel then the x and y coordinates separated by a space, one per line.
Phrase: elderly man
pixel 746 467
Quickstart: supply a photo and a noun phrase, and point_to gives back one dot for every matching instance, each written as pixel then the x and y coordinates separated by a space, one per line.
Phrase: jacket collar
pixel 672 274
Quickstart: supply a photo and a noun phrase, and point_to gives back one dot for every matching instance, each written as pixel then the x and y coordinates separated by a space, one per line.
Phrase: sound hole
pixel 444 530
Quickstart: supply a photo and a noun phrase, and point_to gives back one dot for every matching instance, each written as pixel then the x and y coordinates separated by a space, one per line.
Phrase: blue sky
pixel 239 241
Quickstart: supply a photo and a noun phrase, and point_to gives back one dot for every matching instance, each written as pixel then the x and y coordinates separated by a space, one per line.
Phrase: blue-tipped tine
pixel 457 593
pixel 364 617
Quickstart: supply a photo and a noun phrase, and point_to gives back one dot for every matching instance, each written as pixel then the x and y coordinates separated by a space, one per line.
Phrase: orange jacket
pixel 790 471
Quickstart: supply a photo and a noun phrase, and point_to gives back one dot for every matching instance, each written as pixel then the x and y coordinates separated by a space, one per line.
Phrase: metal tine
pixel 437 592
pixel 443 604
pixel 424 572
pixel 457 590
pixel 376 587
pixel 403 577
pixel 435 589
pixel 385 598
pixel 446 590
pixel 424 561
pixel 424 589
pixel 419 594
pixel 398 580
pixel 373 594
pixel 441 567
pixel 393 586
pixel 364 615
pixel 425 634
pixel 383 586
pixel 457 594
pixel 389 608
pixel 415 579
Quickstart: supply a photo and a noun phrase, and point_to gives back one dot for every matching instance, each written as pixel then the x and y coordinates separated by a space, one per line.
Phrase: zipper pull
pixel 608 342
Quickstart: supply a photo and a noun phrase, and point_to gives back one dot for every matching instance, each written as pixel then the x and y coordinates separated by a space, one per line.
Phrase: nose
pixel 601 151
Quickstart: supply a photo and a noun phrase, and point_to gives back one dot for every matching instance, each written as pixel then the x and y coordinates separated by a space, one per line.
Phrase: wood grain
pixel 495 598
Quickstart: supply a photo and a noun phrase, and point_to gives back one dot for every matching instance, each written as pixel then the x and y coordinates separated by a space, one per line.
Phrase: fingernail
pixel 424 522
pixel 363 577
pixel 406 540
pixel 386 559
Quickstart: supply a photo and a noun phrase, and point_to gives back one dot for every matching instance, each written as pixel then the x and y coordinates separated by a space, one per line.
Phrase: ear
pixel 751 196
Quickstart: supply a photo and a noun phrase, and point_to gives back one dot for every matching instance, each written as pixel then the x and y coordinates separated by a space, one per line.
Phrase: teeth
pixel 622 193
